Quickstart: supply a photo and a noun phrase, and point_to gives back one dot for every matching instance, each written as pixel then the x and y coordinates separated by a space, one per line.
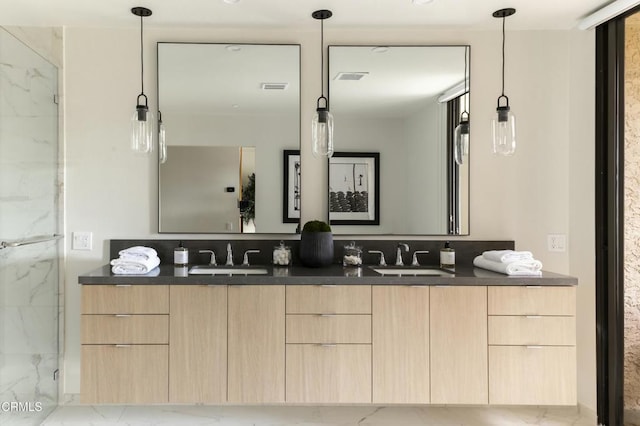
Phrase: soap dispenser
pixel 180 255
pixel 447 256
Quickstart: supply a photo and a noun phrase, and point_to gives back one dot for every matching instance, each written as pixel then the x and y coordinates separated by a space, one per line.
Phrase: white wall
pixel 426 165
pixel 542 189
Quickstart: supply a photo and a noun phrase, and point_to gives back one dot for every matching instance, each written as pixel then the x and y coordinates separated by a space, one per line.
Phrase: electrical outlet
pixel 557 242
pixel 81 241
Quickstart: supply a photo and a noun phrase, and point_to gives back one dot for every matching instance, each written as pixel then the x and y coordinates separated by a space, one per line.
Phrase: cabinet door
pixel 459 371
pixel 125 299
pixel 400 344
pixel 324 374
pixel 256 344
pixel 536 375
pixel 124 374
pixel 198 344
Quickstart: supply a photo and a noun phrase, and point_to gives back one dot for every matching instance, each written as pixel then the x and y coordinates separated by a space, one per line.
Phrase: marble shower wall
pixel 29 200
pixel 632 215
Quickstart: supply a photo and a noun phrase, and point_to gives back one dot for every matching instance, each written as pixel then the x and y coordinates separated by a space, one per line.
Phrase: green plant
pixel 316 226
pixel 249 196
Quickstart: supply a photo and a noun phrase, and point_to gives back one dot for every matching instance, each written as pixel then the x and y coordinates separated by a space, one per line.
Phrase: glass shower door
pixel 29 246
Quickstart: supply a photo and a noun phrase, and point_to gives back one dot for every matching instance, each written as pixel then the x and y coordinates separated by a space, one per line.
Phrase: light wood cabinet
pixel 328 328
pixel 532 352
pixel 124 338
pixel 198 347
pixel 118 299
pixel 124 374
pixel 458 334
pixel 400 344
pixel 532 375
pixel 256 339
pixel 328 344
pixel 532 300
pixel 326 374
pixel 328 299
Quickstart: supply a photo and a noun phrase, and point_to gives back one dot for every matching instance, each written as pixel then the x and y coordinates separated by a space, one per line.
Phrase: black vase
pixel 316 249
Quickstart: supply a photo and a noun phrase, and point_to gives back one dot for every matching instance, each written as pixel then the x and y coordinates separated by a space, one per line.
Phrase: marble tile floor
pixel 315 416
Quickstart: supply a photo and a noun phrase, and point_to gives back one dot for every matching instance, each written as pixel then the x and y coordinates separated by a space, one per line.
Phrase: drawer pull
pixel 326 315
pixel 328 345
pixel 533 286
pixel 533 316
pixel 328 285
pixel 122 315
pixel 534 347
pixel 424 286
pixel 123 285
pixel 122 346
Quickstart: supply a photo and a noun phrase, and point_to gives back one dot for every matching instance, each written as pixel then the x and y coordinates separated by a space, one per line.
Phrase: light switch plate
pixel 82 241
pixel 557 242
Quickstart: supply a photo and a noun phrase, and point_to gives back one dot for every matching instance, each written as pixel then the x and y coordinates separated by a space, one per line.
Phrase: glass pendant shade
pixel 142 129
pixel 322 132
pixel 503 131
pixel 162 140
pixel 461 138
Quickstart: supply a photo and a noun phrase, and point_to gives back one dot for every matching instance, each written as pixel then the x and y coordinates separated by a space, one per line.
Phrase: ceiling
pixel 467 14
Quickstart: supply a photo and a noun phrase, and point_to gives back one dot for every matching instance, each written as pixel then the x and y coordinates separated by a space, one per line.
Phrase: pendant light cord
pixel 322 57
pixel 503 43
pixel 141 55
pixel 466 89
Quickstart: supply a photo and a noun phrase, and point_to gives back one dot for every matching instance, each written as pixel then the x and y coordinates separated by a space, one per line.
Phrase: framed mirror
pixel 401 103
pixel 229 111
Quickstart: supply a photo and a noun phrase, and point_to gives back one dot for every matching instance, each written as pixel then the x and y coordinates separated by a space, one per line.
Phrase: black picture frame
pixel 291 186
pixel 354 188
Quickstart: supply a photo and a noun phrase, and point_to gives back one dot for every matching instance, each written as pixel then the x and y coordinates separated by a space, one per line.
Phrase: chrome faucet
pixel 212 261
pixel 229 255
pixel 401 246
pixel 245 258
pixel 382 261
pixel 414 259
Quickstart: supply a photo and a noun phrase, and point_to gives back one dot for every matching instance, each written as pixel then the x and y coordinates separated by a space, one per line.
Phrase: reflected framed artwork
pixel 291 187
pixel 354 188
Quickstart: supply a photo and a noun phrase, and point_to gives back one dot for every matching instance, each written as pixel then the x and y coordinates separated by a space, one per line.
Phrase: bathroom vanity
pixel 328 336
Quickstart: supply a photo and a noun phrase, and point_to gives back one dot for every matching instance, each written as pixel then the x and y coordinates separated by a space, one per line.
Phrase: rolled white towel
pixel 522 268
pixel 507 256
pixel 134 267
pixel 138 252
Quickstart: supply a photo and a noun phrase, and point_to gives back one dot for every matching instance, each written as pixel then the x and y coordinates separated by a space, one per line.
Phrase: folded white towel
pixel 140 266
pixel 138 252
pixel 522 268
pixel 152 273
pixel 507 256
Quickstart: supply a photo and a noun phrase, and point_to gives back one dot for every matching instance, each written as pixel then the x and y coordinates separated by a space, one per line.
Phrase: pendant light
pixel 461 133
pixel 504 122
pixel 142 120
pixel 322 123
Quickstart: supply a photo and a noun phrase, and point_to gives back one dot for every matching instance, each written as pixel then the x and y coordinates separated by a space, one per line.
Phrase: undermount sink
pixel 413 272
pixel 215 270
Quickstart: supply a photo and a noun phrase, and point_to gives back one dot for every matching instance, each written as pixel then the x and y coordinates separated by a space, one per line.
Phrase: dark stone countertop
pixel 334 274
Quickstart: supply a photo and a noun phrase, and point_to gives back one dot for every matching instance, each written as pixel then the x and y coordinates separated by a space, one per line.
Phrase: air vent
pixel 352 76
pixel 274 86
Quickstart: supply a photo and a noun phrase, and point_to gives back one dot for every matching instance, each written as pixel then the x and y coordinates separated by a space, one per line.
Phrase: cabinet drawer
pixel 316 299
pixel 328 328
pixel 532 300
pixel 134 299
pixel 136 374
pixel 543 375
pixel 328 374
pixel 125 329
pixel 532 330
